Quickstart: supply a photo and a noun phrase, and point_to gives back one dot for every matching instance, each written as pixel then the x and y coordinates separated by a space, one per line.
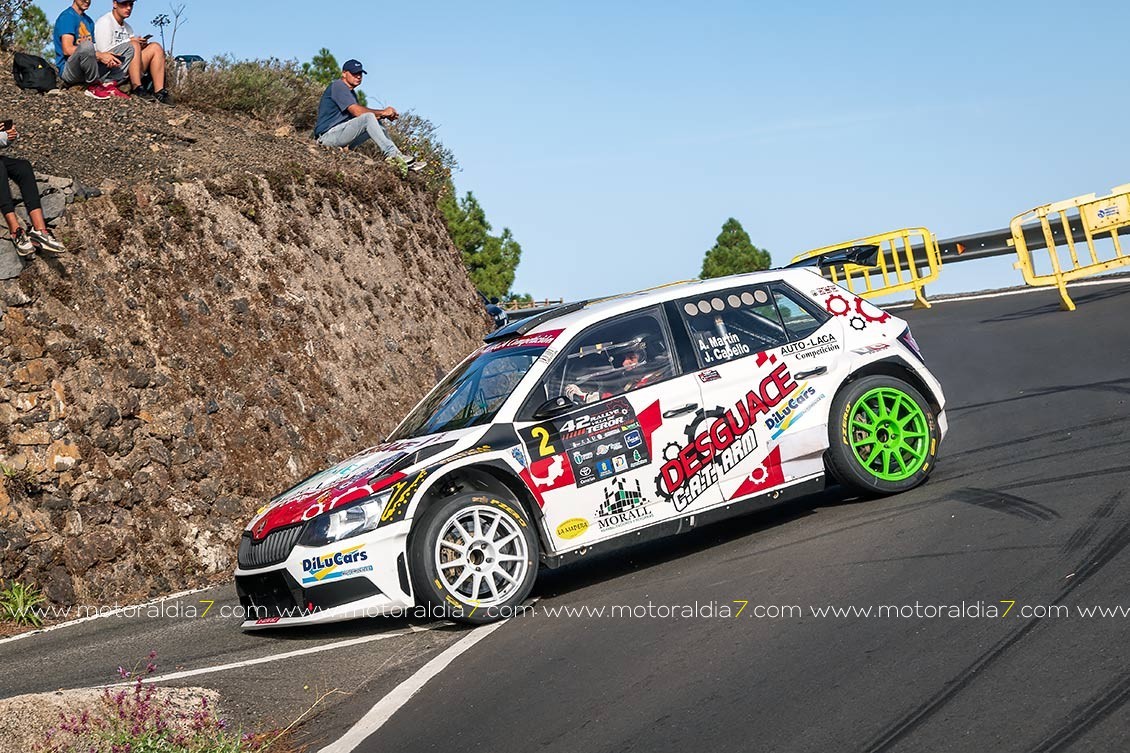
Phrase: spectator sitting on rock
pixel 79 62
pixel 343 122
pixel 113 35
pixel 19 170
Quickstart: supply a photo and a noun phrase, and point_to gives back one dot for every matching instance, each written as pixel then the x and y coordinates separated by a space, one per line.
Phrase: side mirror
pixel 554 407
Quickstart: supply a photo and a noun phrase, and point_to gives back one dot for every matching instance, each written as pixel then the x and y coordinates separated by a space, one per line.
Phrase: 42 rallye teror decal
pixel 598 442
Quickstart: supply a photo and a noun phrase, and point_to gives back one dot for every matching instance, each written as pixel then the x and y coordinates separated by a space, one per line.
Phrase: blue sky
pixel 614 139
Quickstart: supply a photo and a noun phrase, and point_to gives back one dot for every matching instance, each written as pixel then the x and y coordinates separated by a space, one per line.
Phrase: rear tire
pixel 474 556
pixel 883 436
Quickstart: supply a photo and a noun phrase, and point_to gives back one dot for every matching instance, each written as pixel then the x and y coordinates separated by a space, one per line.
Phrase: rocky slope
pixel 238 310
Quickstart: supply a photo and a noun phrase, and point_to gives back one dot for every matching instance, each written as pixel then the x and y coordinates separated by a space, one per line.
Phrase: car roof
pixel 572 317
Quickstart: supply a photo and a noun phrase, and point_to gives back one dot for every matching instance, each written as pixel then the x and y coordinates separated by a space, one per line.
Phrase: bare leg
pixel 14 222
pixel 135 66
pixel 37 220
pixel 153 60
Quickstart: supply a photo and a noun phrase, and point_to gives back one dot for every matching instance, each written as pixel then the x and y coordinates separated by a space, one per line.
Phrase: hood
pixel 357 477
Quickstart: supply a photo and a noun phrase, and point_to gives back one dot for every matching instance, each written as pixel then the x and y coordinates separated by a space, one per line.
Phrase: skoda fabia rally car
pixel 594 426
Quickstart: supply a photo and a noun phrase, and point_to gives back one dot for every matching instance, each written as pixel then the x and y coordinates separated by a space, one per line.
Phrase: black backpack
pixel 33 72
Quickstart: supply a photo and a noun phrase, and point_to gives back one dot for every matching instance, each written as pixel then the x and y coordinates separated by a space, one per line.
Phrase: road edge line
pixel 375 717
pixel 108 613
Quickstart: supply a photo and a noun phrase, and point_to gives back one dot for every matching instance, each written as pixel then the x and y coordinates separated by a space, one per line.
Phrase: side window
pixel 731 324
pixel 612 358
pixel 800 317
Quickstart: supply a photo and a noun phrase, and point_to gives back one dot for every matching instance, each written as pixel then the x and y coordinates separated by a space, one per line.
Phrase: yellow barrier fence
pixel 1096 216
pixel 908 259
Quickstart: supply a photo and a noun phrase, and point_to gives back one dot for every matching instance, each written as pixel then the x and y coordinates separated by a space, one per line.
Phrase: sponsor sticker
pixel 572 528
pixel 623 505
pixel 719 439
pixel 323 567
pixel 543 339
pixel 817 345
pixel 588 438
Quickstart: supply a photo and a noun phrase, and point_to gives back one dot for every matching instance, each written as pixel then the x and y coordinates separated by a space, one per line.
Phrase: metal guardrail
pixel 907 259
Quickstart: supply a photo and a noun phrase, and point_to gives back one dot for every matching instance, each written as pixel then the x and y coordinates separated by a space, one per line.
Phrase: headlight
pixel 359 517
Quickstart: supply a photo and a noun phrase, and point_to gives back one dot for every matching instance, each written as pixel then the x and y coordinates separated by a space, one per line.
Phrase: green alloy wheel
pixel 885 437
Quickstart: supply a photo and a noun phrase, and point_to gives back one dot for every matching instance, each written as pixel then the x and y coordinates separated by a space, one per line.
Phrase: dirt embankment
pixel 238 310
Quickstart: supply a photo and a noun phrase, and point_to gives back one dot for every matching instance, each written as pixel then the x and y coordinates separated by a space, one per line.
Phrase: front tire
pixel 883 436
pixel 475 556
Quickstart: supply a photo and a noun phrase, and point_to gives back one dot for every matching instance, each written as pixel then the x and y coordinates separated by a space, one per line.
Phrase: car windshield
pixel 473 393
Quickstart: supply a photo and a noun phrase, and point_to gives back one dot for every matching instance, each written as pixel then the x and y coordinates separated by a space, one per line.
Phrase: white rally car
pixel 594 426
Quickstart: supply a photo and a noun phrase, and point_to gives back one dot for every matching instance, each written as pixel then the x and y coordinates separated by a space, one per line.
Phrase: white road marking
pixel 279 657
pixel 391 703
pixel 107 613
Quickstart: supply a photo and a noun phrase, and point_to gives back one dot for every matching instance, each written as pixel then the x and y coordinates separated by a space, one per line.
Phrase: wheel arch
pixel 896 368
pixel 490 476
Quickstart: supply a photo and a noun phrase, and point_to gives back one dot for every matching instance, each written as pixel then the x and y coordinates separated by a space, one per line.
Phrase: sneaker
pixel 45 241
pixel 416 165
pixel 115 92
pixel 23 244
pixel 97 91
pixel 164 97
pixel 142 93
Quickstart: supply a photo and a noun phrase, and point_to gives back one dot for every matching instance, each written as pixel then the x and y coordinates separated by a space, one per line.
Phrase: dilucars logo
pixel 800 402
pixel 728 439
pixel 323 567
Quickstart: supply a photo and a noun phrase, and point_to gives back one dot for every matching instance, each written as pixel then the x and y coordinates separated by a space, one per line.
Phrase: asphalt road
pixel 1028 505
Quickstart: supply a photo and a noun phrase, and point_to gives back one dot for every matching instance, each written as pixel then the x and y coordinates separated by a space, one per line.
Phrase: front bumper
pixel 363 576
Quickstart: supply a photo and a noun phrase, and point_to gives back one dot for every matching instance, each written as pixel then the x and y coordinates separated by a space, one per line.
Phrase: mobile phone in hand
pixel 5 125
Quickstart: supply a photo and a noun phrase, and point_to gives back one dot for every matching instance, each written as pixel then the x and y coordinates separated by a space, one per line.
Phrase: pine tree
pixel 733 253
pixel 491 260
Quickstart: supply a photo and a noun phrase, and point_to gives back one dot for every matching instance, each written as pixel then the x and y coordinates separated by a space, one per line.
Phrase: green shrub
pixel 19 481
pixel 275 91
pixel 416 135
pixel 18 604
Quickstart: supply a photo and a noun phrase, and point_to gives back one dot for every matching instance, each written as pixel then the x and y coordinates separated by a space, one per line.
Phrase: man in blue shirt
pixel 343 122
pixel 78 61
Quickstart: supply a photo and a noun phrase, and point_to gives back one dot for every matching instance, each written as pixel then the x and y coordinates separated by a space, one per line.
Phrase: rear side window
pixel 730 324
pixel 799 316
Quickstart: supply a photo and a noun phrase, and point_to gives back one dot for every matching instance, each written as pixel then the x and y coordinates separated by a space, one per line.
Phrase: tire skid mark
pixel 1096 559
pixel 1085 533
pixel 939 555
pixel 895 732
pixel 1009 504
pixel 1060 432
pixel 1085 716
pixel 1107 550
pixel 897 512
pixel 1069 477
pixel 1016 462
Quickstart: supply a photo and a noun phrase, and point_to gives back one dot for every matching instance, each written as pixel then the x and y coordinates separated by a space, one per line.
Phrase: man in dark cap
pixel 344 122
